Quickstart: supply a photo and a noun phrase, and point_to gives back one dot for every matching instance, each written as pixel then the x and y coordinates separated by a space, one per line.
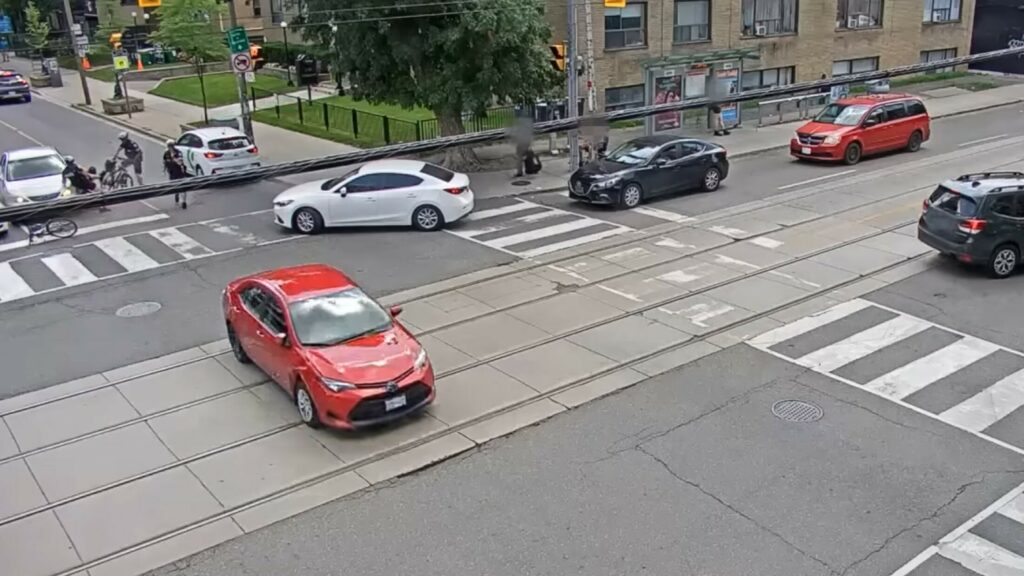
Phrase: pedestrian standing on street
pixel 132 155
pixel 174 166
pixel 523 137
pixel 716 120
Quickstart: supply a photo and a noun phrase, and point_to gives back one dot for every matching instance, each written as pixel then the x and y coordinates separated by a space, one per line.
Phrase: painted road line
pixel 70 271
pixel 1014 509
pixel 532 235
pixel 980 140
pixel 808 323
pixel 863 343
pixel 990 405
pixel 922 372
pixel 21 133
pixel 180 243
pixel 818 179
pixel 129 257
pixel 663 214
pixel 575 241
pixel 12 286
pixel 90 229
pixel 484 214
pixel 981 556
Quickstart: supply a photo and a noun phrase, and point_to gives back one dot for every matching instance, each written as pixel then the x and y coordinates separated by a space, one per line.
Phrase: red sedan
pixel 343 359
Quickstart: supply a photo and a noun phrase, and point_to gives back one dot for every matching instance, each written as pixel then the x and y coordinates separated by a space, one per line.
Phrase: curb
pixel 123 123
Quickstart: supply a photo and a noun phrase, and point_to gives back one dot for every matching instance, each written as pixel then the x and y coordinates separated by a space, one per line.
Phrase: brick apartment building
pixel 695 48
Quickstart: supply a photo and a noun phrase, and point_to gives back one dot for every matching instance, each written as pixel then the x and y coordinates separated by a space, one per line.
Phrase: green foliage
pixel 188 26
pixel 274 52
pixel 37 28
pixel 449 58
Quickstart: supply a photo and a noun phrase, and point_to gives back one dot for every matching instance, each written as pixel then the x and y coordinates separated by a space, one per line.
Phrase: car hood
pixel 304 190
pixel 370 360
pixel 602 169
pixel 823 129
pixel 31 189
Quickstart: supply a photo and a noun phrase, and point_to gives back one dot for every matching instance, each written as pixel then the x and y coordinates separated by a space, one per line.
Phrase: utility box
pixel 53 69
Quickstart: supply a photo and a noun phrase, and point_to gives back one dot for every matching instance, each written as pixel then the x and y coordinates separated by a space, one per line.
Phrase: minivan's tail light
pixel 455 191
pixel 924 206
pixel 253 150
pixel 212 155
pixel 972 226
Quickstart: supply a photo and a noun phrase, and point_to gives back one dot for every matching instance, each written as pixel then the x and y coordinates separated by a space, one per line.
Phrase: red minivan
pixel 851 128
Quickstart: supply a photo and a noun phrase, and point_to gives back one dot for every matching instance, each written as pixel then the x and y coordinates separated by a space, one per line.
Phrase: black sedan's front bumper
pixel 591 194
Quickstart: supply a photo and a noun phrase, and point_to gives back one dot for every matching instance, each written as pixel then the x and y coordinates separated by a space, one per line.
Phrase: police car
pixel 216 150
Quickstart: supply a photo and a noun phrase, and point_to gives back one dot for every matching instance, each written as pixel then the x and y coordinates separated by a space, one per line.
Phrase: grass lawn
pixel 221 89
pixel 335 121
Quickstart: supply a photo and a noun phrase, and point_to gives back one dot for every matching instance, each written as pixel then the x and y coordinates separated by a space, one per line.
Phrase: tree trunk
pixel 462 158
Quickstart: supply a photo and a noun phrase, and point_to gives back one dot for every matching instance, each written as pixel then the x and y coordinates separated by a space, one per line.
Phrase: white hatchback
pixel 216 150
pixel 381 193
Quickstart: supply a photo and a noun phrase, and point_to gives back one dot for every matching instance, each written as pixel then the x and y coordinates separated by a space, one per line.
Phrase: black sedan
pixel 649 167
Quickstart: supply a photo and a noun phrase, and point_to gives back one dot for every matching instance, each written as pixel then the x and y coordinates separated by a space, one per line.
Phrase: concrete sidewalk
pixel 162 119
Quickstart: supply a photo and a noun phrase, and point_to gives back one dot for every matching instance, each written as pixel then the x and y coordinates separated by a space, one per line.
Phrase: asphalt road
pixel 238 237
pixel 687 473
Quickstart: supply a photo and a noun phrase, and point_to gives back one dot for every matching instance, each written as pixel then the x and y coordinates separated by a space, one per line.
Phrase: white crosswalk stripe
pixel 528 230
pixel 20 277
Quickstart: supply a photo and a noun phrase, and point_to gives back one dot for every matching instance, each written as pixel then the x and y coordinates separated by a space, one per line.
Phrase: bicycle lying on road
pixel 56 227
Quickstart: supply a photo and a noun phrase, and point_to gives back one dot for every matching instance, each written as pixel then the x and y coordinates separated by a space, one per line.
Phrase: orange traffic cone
pixel 85 63
pixel 138 60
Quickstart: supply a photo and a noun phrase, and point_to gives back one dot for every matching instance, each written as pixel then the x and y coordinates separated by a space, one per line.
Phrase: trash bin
pixel 53 69
pixel 305 67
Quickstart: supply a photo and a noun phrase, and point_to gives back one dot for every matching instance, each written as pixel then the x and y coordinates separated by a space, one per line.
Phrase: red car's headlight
pixel 421 360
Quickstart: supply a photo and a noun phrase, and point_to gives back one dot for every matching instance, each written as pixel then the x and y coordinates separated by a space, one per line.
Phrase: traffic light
pixel 558 51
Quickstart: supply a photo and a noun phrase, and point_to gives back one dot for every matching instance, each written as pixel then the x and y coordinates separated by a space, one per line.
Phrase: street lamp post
pixel 287 60
pixel 135 18
pixel 337 58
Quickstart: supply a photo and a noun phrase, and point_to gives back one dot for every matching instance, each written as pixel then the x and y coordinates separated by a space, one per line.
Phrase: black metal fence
pixel 321 116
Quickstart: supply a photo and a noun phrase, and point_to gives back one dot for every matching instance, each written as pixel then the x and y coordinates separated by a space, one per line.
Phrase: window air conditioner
pixel 939 17
pixel 760 30
pixel 852 22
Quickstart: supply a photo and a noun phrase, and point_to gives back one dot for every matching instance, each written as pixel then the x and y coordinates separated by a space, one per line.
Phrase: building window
pixel 693 18
pixel 856 66
pixel 625 27
pixel 768 78
pixel 941 10
pixel 855 14
pixel 769 17
pixel 936 55
pixel 623 98
pixel 257 10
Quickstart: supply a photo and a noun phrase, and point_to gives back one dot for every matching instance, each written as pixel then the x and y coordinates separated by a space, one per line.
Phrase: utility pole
pixel 78 60
pixel 573 101
pixel 591 89
pixel 243 100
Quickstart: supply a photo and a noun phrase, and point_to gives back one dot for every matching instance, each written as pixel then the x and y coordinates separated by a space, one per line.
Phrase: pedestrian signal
pixel 558 51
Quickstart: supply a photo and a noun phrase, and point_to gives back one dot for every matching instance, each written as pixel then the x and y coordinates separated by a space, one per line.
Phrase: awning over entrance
pixel 704 57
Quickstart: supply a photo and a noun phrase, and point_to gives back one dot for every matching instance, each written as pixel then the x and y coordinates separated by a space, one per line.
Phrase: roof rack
pixel 1018 188
pixel 988 175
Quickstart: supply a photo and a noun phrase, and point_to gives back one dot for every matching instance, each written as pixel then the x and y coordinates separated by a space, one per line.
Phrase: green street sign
pixel 238 40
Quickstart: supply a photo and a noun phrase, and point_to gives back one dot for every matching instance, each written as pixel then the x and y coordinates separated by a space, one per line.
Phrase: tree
pixel 185 26
pixel 37 28
pixel 449 57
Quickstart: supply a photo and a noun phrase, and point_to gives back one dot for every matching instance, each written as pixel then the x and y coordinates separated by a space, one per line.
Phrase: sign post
pixel 241 64
pixel 121 65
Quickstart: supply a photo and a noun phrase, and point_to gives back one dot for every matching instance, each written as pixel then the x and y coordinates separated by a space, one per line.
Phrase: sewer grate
pixel 797 411
pixel 521 182
pixel 138 309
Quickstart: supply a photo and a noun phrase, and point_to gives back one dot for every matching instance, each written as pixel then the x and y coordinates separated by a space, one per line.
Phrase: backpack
pixel 533 164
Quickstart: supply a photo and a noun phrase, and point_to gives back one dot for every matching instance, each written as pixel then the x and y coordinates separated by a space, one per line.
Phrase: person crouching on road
pixel 174 166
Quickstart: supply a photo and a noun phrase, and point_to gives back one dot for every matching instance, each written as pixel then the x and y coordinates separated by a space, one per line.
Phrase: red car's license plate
pixel 394 403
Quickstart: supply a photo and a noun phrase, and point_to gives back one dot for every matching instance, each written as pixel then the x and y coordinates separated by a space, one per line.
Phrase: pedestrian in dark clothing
pixel 174 166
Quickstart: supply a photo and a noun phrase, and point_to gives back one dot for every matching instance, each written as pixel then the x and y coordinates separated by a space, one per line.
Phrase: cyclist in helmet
pixel 132 154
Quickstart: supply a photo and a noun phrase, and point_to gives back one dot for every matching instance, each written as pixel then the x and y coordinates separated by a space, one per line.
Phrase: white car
pixel 216 150
pixel 381 193
pixel 32 175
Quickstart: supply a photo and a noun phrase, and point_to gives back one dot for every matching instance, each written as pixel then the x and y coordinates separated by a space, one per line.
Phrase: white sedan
pixel 216 150
pixel 381 193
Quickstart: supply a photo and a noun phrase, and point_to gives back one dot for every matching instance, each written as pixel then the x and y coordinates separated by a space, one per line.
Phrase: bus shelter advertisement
pixel 667 89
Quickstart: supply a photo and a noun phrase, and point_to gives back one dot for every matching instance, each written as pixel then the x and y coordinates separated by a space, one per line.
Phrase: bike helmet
pixel 123 136
pixel 169 142
pixel 69 160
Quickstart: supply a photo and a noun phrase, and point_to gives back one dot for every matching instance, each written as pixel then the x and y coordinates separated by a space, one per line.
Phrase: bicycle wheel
pixel 61 227
pixel 124 180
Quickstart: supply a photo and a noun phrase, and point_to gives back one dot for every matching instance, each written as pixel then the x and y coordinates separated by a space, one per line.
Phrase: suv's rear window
pixel 945 199
pixel 437 172
pixel 234 143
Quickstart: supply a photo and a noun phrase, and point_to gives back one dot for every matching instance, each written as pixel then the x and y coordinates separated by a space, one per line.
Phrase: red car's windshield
pixel 842 114
pixel 336 318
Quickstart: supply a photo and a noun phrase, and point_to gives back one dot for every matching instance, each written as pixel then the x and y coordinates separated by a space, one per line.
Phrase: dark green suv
pixel 978 219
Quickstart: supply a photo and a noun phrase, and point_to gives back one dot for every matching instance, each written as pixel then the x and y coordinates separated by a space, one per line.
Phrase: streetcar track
pixel 432 436
pixel 639 237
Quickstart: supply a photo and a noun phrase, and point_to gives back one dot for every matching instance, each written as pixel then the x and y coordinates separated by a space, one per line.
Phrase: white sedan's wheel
pixel 427 218
pixel 308 221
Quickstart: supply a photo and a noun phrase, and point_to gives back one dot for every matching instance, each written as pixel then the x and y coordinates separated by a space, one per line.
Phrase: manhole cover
pixel 520 182
pixel 797 411
pixel 138 309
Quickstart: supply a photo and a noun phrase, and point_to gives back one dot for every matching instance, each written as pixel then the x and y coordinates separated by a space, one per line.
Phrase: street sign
pixel 76 29
pixel 121 62
pixel 5 24
pixel 81 41
pixel 250 76
pixel 238 40
pixel 241 62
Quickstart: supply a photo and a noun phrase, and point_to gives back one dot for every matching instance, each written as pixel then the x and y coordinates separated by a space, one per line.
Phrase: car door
pixel 354 203
pixel 247 323
pixel 275 343
pixel 897 119
pixel 1007 212
pixel 3 173
pixel 692 165
pixel 659 177
pixel 189 146
pixel 399 195
pixel 873 130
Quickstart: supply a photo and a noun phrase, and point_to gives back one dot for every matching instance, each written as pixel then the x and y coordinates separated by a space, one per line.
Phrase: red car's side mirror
pixel 396 310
